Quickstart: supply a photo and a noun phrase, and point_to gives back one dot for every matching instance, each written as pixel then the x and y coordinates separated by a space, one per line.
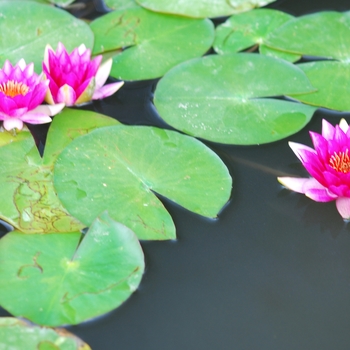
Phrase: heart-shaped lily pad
pixel 29 200
pixel 26 30
pixel 249 29
pixel 202 9
pixel 18 334
pixel 224 98
pixel 152 43
pixel 331 78
pixel 59 278
pixel 118 168
pixel 322 34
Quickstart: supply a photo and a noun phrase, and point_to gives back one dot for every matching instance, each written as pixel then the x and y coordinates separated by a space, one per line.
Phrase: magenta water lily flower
pixel 329 166
pixel 21 93
pixel 75 78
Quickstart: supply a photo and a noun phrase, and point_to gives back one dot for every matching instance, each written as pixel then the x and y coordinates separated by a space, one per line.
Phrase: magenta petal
pixel 299 149
pixel 343 206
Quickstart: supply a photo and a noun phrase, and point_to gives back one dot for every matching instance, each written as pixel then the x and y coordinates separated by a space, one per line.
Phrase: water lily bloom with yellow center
pixel 329 166
pixel 21 93
pixel 75 78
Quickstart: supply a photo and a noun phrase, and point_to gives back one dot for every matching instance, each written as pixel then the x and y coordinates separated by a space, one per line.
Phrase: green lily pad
pixel 121 4
pixel 61 3
pixel 58 279
pixel 152 42
pixel 249 29
pixel 331 78
pixel 25 31
pixel 202 9
pixel 225 98
pixel 322 34
pixel 68 125
pixel 118 168
pixel 19 334
pixel 29 200
pixel 7 137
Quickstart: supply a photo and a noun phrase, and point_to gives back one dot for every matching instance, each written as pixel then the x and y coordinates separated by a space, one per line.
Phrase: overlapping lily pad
pixel 59 278
pixel 18 334
pixel 29 201
pixel 250 29
pixel 152 43
pixel 227 98
pixel 202 9
pixel 118 168
pixel 25 31
pixel 322 34
pixel 331 78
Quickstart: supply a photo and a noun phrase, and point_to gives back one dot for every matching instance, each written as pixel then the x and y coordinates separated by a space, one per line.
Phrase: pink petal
pixel 327 130
pixel 320 195
pixel 22 64
pixel 7 68
pixel 103 73
pixel 86 94
pixel 66 94
pixel 344 125
pixel 49 110
pixel 298 149
pixel 13 123
pixel 36 118
pixel 343 206
pixel 299 184
pixel 107 90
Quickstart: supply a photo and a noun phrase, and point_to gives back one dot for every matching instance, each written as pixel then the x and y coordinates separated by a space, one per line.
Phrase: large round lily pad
pixel 59 278
pixel 119 168
pixel 18 334
pixel 152 43
pixel 226 98
pixel 249 29
pixel 323 34
pixel 26 30
pixel 331 78
pixel 202 9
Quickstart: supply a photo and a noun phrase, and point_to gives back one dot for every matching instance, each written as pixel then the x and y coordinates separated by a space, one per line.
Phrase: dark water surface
pixel 273 272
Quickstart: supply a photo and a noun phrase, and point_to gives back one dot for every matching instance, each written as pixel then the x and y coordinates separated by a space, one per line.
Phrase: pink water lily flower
pixel 75 78
pixel 21 93
pixel 329 166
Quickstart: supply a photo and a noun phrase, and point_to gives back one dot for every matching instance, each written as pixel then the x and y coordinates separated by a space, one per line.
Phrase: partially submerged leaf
pixel 25 31
pixel 331 79
pixel 29 200
pixel 19 334
pixel 202 9
pixel 243 31
pixel 152 42
pixel 227 98
pixel 55 279
pixel 321 34
pixel 118 168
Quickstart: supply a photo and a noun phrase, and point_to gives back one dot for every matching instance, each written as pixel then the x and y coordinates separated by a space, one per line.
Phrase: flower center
pixel 13 88
pixel 340 162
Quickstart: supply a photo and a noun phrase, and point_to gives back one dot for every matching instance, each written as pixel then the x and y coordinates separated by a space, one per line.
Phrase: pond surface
pixel 273 272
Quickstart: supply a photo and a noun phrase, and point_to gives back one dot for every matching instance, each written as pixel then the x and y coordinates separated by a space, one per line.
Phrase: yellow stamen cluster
pixel 13 88
pixel 340 162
